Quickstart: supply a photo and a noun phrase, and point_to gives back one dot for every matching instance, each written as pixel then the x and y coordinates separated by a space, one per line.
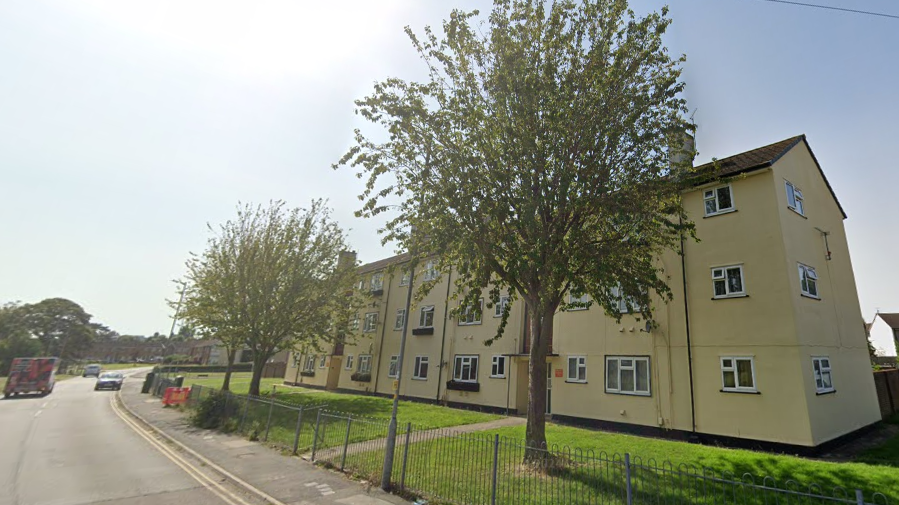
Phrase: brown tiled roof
pixel 890 319
pixel 763 157
pixel 384 263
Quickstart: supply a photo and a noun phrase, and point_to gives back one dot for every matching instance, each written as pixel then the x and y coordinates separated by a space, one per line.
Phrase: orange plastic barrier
pixel 175 396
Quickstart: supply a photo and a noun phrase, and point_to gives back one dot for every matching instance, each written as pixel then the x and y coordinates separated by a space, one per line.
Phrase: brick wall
pixel 887 384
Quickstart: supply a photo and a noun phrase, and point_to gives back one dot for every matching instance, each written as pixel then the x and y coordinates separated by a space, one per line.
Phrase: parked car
pixel 109 380
pixel 92 371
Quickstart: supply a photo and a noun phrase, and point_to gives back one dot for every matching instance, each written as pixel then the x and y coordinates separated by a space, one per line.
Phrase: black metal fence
pixel 475 468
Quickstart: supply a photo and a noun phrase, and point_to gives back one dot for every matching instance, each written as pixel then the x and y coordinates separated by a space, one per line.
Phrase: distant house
pixel 885 332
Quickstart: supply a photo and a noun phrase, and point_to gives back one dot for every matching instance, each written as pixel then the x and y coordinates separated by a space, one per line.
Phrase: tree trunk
pixel 258 364
pixel 541 331
pixel 232 353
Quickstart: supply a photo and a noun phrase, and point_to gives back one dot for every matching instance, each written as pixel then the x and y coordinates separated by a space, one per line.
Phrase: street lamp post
pixel 391 429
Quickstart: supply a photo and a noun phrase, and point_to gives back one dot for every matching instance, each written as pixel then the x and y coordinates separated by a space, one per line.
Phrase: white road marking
pixel 38 413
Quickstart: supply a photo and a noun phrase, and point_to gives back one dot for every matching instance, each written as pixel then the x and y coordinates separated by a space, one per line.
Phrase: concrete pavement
pixel 70 448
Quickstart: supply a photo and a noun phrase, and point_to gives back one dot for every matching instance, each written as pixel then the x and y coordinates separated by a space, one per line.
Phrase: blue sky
pixel 125 127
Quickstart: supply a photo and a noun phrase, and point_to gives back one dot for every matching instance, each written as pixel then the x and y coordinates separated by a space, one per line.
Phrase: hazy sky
pixel 126 126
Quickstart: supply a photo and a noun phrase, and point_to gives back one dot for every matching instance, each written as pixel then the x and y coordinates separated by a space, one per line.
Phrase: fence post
pixel 405 456
pixel 495 468
pixel 268 424
pixel 296 435
pixel 859 497
pixel 346 442
pixel 318 421
pixel 627 476
pixel 243 418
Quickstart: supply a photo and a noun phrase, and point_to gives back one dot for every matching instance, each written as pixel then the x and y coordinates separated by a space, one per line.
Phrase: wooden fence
pixel 887 384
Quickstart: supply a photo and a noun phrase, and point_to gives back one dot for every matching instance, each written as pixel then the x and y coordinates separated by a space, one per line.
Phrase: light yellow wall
pixel 833 325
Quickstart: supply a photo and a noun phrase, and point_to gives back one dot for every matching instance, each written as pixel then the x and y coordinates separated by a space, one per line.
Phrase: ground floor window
pixel 309 364
pixel 466 369
pixel 322 361
pixel 498 367
pixel 627 375
pixel 349 362
pixel 364 363
pixel 577 369
pixel 738 374
pixel 392 370
pixel 421 368
pixel 823 375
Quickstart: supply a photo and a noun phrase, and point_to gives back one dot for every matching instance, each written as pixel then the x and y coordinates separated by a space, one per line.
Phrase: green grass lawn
pixel 122 366
pixel 887 453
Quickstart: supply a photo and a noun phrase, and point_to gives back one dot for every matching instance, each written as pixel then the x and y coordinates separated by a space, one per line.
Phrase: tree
pixel 61 326
pixel 15 341
pixel 269 280
pixel 535 159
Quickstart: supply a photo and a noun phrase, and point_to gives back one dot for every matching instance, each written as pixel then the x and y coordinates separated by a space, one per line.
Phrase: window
pixel 392 370
pixel 349 362
pixel 355 324
pixel 426 317
pixel 377 281
pixel 406 277
pixel 717 200
pixel 430 271
pixel 322 361
pixel 296 360
pixel 498 367
pixel 808 281
pixel 360 285
pixel 400 319
pixel 627 375
pixel 421 368
pixel 728 281
pixel 466 369
pixel 738 374
pixel 580 298
pixel 500 307
pixel 364 363
pixel 823 377
pixel 471 315
pixel 309 364
pixel 623 301
pixel 371 322
pixel 794 198
pixel 577 369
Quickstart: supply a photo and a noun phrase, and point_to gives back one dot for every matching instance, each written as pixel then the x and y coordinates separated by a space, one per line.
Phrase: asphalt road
pixel 70 448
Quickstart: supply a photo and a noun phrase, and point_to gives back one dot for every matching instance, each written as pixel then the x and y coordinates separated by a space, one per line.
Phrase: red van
pixel 31 375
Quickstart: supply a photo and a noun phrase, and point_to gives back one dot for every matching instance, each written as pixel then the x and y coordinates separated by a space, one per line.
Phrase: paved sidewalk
pixel 287 479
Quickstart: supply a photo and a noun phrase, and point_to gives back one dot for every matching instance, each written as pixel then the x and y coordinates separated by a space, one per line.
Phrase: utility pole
pixel 177 310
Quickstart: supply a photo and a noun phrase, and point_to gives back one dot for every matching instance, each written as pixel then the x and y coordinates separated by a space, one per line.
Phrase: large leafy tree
pixel 62 327
pixel 535 160
pixel 269 280
pixel 15 341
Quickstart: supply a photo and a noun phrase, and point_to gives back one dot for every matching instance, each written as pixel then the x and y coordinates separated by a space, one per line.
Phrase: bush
pixel 212 411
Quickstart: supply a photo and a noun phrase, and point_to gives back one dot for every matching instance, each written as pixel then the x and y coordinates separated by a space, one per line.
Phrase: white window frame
pixel 811 279
pixel 714 197
pixel 364 364
pixel 497 362
pixel 421 316
pixel 622 301
pixel 416 372
pixel 309 363
pixel 459 362
pixel 400 318
pixel 405 277
pixel 723 277
pixel 430 271
pixel 348 365
pixel 377 281
pixel 818 374
pixel 795 200
pixel 360 285
pixel 371 322
pixel 580 365
pixel 323 361
pixel 623 368
pixel 393 370
pixel 500 307
pixel 467 315
pixel 355 324
pixel 735 370
pixel 584 298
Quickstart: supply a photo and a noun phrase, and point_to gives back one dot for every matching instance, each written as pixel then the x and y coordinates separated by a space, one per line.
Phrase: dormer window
pixel 718 200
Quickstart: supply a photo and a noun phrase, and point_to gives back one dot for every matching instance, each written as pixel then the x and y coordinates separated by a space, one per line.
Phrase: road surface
pixel 71 448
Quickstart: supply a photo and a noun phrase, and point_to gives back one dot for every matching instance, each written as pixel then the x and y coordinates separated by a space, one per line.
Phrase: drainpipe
pixel 683 264
pixel 449 283
pixel 383 330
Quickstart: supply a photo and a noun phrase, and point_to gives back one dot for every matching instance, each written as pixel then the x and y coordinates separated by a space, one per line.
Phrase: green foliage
pixel 62 327
pixel 269 280
pixel 536 160
pixel 177 359
pixel 211 411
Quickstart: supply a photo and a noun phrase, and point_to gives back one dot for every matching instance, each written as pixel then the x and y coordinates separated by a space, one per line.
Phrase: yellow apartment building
pixel 763 345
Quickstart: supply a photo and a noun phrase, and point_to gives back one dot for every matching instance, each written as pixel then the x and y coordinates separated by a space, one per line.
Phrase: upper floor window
pixel 392 370
pixel 360 285
pixel 377 281
pixel 430 271
pixel 627 375
pixel 426 317
pixel 624 301
pixel 808 281
pixel 471 314
pixel 823 377
pixel 718 200
pixel 500 307
pixel 400 319
pixel 407 276
pixel 738 374
pixel 728 281
pixel 371 322
pixel 578 299
pixel 794 198
pixel 355 324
